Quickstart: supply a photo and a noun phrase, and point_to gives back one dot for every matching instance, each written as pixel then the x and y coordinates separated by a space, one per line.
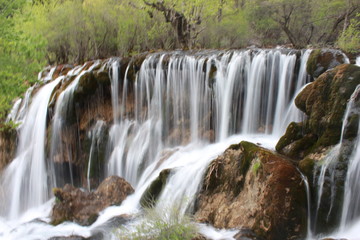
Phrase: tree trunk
pixel 178 22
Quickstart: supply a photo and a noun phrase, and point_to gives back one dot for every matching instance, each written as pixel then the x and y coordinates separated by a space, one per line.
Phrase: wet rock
pixel 8 141
pixel 73 204
pixel 97 236
pixel 321 60
pixel 253 188
pixel 246 234
pixel 152 193
pixel 295 143
pixel 324 102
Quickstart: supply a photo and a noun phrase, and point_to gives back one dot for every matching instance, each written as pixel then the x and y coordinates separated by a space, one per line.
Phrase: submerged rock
pixel 253 188
pixel 73 204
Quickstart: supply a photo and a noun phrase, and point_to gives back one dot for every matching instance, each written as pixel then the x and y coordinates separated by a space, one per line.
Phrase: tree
pixel 349 40
pixel 186 17
pixel 21 56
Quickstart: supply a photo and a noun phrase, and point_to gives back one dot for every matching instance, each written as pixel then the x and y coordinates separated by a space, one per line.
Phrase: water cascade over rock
pixel 162 121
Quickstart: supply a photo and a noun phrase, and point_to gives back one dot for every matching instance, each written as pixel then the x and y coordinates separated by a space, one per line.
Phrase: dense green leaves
pixel 21 55
pixel 350 38
pixel 33 32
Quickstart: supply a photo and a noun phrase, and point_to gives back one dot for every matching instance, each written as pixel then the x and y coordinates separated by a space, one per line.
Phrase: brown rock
pixel 8 141
pixel 253 188
pixel 73 204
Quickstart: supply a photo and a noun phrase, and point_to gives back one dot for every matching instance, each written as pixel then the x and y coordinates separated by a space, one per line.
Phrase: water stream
pixel 179 111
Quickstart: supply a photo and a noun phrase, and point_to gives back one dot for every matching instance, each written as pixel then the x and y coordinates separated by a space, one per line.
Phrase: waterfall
pixel 95 136
pixel 63 110
pixel 181 99
pixel 19 110
pixel 177 110
pixel 327 174
pixel 357 61
pixel 351 207
pixel 26 177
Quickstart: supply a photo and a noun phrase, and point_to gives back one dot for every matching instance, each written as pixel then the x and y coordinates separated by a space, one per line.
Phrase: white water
pixel 95 136
pixel 62 110
pixel 25 179
pixel 175 103
pixel 20 108
pixel 179 102
pixel 357 61
pixel 350 216
pixel 351 208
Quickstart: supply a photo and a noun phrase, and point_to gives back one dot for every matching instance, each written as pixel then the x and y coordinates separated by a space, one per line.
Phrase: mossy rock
pixel 152 193
pixel 87 86
pixel 325 101
pixel 306 166
pixel 293 132
pixel 246 187
pixel 321 60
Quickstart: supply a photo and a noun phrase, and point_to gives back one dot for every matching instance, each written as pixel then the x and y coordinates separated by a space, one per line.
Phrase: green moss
pixel 250 152
pixel 256 166
pixel 312 61
pixel 293 132
pixel 307 166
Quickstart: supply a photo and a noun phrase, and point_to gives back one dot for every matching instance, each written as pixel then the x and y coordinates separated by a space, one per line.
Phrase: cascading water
pixel 186 99
pixel 179 111
pixel 30 160
pixel 63 109
pixel 327 174
pixel 95 135
pixel 357 60
pixel 351 207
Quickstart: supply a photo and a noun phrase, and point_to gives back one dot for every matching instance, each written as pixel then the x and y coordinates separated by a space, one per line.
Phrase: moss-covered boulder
pixel 321 60
pixel 73 204
pixel 249 187
pixel 324 101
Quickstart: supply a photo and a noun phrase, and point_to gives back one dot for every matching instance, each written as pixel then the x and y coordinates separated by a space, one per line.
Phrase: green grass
pixel 159 225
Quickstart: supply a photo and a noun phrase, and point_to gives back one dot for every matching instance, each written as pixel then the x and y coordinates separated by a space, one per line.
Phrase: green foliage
pixel 21 56
pixel 37 32
pixel 8 126
pixel 160 225
pixel 349 40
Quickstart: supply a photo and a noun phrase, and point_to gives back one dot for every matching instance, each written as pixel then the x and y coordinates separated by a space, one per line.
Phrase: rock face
pixel 72 204
pixel 324 102
pixel 249 187
pixel 8 137
pixel 320 60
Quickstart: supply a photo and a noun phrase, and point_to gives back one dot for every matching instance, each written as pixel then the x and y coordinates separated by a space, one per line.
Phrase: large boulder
pixel 73 204
pixel 324 102
pixel 321 60
pixel 249 187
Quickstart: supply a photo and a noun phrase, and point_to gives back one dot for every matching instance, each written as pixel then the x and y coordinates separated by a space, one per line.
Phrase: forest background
pixel 36 33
